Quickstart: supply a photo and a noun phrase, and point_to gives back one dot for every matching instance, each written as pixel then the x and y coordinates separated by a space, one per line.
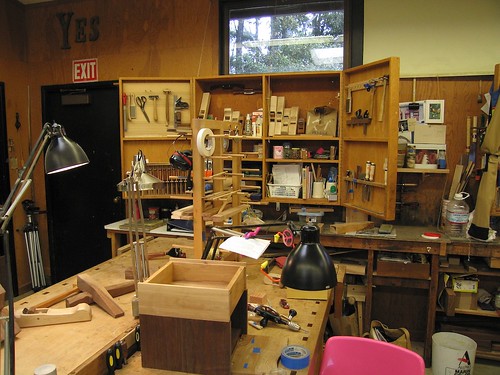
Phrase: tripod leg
pixel 39 258
pixel 30 262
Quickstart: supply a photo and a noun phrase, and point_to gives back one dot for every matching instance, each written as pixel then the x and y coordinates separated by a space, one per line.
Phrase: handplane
pixel 47 316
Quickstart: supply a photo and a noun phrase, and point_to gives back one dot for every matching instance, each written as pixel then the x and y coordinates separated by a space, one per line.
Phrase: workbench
pixel 114 231
pixel 79 348
pixel 408 239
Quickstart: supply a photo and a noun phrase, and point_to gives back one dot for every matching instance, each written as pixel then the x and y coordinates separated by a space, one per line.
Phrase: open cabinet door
pixel 369 136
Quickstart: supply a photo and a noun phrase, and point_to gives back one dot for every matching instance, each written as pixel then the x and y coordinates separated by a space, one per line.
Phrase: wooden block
pixel 341 228
pixel 258 297
pixel 120 289
pixel 82 297
pixel 100 295
pixel 450 302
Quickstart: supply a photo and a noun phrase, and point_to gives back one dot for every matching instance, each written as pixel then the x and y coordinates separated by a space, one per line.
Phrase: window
pixel 287 35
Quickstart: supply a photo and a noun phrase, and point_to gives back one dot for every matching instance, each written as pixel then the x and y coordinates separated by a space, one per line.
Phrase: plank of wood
pixel 100 295
pixel 229 212
pixel 57 298
pixel 341 228
pixel 456 180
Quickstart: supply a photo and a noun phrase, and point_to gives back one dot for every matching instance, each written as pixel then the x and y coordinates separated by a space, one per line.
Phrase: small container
pixel 287 150
pixel 277 152
pixel 310 217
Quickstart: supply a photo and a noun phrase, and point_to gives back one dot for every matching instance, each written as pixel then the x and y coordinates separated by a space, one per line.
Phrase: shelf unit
pixel 488 280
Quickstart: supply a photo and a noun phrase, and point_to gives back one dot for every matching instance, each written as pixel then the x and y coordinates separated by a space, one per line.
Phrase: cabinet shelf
pixel 302 137
pixel 307 161
pixel 423 171
pixel 478 312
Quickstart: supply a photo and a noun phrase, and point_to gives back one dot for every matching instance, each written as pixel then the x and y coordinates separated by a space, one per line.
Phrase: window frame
pixel 353 27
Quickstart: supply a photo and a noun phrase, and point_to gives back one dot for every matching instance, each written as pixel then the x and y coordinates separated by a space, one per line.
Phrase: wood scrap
pixel 114 290
pixel 82 297
pixel 221 216
pixel 341 228
pixel 100 295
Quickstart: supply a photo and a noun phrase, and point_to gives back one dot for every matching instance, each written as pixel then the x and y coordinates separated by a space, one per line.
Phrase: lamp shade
pixel 309 266
pixel 63 153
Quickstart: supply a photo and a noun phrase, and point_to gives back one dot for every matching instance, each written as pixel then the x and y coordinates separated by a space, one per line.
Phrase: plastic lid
pixel 458 196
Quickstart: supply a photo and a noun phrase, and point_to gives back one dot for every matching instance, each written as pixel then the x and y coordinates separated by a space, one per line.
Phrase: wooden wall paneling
pixel 460 95
pixel 143 39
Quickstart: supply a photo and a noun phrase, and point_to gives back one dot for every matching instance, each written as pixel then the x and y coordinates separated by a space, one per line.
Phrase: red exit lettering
pixel 85 70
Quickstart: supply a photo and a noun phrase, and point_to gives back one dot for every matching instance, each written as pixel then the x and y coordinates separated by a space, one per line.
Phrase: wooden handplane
pixel 47 316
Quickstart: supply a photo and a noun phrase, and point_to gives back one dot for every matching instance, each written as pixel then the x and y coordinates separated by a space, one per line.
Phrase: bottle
pixel 457 215
pixel 247 130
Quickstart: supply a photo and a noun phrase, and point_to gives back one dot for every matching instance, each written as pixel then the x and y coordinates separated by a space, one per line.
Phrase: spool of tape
pixel 205 142
pixel 47 369
pixel 295 357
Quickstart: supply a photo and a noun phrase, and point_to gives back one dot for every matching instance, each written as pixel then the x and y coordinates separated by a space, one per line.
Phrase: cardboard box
pixel 466 301
pixel 427 154
pixel 463 285
pixel 192 313
pixel 434 134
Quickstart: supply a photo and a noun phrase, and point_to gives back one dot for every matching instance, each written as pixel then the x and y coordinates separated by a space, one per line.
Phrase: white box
pixel 425 133
pixel 427 154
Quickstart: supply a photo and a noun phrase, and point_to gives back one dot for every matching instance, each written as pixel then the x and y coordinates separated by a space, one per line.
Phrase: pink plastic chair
pixel 348 355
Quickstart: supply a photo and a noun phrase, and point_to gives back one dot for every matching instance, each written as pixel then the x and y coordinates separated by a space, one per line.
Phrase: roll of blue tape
pixel 295 357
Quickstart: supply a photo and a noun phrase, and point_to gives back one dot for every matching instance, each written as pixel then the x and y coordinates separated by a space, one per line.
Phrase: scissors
pixel 141 102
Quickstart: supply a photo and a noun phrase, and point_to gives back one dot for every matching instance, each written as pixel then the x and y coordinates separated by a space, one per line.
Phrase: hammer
pixel 167 95
pixel 154 98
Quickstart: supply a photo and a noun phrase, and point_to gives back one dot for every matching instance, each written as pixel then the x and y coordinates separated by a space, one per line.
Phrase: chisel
pixel 124 103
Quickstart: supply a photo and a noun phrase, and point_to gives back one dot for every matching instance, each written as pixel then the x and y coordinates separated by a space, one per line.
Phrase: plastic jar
pixel 457 215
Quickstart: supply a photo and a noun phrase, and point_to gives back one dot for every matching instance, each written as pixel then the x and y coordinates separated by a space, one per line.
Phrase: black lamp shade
pixel 309 266
pixel 63 154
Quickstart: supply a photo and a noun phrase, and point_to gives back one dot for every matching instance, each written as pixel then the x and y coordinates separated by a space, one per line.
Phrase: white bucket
pixel 453 354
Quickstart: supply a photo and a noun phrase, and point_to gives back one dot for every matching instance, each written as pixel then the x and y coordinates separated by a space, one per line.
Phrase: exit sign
pixel 85 70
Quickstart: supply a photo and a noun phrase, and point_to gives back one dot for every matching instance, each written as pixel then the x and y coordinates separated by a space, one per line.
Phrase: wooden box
pixel 192 313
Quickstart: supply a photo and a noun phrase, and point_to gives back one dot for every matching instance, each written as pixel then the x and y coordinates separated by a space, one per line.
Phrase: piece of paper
pixel 287 174
pixel 251 247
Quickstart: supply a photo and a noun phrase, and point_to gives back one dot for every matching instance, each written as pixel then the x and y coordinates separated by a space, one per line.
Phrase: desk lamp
pixel 309 266
pixel 62 154
pixel 137 181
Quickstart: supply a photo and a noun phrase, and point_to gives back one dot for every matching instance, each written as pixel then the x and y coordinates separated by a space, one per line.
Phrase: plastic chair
pixel 348 355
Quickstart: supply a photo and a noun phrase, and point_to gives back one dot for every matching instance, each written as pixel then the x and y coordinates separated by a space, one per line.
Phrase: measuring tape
pixel 295 357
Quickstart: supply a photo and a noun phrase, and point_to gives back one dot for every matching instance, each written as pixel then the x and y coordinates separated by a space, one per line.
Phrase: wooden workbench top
pixel 77 348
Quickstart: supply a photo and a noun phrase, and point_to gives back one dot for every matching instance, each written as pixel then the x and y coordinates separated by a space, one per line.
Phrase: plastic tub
pixel 310 217
pixel 453 354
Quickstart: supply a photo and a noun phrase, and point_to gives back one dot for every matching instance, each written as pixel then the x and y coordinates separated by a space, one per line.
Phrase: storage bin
pixel 452 353
pixel 284 191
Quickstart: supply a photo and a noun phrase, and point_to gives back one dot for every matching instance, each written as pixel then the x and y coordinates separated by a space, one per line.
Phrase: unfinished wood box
pixel 192 313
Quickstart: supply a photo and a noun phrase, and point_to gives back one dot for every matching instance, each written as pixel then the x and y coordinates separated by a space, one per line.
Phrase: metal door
pixel 80 202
